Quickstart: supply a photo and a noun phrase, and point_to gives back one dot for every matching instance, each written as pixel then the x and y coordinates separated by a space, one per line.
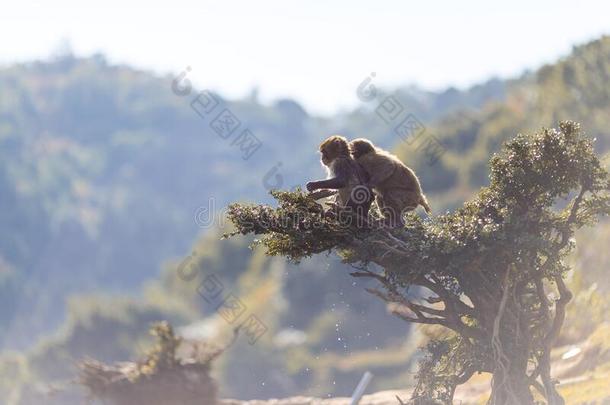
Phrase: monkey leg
pixel 396 203
pixel 408 200
pixel 391 209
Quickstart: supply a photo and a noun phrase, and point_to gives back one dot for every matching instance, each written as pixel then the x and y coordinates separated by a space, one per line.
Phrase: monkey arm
pixel 317 195
pixel 334 184
pixel 341 172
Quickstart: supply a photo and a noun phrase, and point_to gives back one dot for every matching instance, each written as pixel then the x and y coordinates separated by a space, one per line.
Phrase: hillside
pixel 574 88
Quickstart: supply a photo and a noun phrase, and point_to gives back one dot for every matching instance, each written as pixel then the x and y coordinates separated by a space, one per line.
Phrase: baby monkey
pixel 397 187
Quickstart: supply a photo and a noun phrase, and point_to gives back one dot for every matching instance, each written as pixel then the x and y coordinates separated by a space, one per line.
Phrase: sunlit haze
pixel 315 52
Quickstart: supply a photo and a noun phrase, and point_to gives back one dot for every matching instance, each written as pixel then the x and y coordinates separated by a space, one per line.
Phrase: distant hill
pixel 103 167
pixel 574 88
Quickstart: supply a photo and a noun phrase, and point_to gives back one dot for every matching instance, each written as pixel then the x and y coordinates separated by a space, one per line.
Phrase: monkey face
pixel 326 159
pixel 361 146
pixel 332 148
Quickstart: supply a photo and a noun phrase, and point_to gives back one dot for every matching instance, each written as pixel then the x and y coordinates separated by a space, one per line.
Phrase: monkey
pixel 344 175
pixel 396 186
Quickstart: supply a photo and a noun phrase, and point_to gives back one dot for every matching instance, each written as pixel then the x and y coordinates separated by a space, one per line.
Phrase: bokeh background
pixel 111 183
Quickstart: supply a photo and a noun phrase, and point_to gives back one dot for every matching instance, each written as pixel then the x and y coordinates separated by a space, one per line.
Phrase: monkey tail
pixel 424 203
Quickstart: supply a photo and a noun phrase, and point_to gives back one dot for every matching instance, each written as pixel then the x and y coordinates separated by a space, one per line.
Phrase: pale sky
pixel 314 51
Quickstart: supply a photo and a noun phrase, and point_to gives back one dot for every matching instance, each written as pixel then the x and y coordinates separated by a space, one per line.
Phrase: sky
pixel 316 52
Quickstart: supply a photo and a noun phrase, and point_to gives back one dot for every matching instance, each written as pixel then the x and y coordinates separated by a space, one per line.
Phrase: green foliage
pixel 448 362
pixel 298 229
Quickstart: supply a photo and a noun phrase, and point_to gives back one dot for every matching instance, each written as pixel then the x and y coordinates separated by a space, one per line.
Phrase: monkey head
pixel 359 147
pixel 334 147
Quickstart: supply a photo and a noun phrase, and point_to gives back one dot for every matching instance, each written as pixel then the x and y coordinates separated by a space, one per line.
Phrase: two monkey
pixel 361 173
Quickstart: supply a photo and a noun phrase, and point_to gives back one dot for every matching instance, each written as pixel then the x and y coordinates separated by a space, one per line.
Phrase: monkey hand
pixel 311 186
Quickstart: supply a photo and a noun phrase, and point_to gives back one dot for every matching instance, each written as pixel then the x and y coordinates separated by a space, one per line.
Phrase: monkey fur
pixel 397 187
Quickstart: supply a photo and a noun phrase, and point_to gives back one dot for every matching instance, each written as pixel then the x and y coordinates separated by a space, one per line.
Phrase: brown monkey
pixel 344 175
pixel 397 187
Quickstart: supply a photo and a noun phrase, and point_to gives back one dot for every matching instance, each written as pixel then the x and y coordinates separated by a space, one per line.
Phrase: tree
pixel 162 377
pixel 484 271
